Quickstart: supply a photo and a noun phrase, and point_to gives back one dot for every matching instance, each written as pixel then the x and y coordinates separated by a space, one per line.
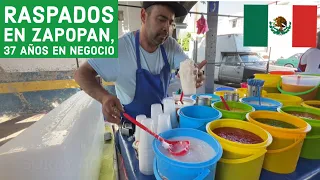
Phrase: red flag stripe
pixel 304 26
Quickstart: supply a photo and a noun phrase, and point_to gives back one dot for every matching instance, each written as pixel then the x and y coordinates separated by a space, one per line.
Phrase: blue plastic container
pixel 214 97
pixel 172 169
pixel 225 89
pixel 197 117
pixel 266 103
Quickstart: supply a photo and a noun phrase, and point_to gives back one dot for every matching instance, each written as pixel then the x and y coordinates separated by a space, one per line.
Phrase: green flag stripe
pixel 255 25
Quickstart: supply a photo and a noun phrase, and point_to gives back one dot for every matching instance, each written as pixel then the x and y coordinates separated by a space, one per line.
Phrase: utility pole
pixel 211 39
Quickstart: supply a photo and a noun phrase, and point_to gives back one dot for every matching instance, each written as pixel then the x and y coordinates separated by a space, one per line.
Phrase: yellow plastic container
pixel 235 123
pixel 230 169
pixel 245 91
pixel 285 99
pixel 221 93
pixel 283 153
pixel 271 80
pixel 237 157
pixel 241 91
pixel 309 104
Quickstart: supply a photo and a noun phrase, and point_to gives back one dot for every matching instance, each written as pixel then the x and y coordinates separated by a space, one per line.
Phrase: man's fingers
pixel 113 110
pixel 201 78
pixel 199 84
pixel 119 106
pixel 112 116
pixel 112 119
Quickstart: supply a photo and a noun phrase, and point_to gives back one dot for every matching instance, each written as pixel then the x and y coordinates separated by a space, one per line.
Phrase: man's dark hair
pixel 149 9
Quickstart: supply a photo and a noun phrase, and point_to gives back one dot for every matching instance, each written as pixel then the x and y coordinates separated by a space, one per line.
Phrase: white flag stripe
pixel 275 40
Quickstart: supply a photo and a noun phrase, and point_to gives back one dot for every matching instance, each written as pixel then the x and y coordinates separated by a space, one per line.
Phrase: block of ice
pixel 65 144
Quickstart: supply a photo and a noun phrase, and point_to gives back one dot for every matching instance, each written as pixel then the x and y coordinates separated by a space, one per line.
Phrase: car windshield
pixel 252 60
pixel 295 56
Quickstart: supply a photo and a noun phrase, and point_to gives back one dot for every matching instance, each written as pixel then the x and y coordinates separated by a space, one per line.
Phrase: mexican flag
pixel 280 25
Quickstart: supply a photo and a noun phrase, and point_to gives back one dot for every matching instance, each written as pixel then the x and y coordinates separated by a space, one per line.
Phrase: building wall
pixel 131 21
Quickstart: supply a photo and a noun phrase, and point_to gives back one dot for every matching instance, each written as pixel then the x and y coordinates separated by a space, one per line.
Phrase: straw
pixel 181 96
pixel 259 95
pixel 258 84
pixel 298 80
pixel 225 103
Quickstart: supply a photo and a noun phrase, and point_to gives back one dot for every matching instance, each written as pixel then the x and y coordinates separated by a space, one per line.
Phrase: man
pixel 143 68
pixel 310 60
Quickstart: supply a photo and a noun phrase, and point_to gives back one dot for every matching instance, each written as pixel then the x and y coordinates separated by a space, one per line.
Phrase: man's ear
pixel 143 15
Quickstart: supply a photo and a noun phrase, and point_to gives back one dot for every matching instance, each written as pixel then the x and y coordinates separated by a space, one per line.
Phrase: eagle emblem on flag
pixel 280 26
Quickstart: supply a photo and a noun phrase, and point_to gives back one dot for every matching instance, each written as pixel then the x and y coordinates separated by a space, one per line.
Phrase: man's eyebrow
pixel 165 17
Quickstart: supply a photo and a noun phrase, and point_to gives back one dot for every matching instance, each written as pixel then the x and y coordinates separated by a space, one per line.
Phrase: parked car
pixel 235 63
pixel 292 61
pixel 238 67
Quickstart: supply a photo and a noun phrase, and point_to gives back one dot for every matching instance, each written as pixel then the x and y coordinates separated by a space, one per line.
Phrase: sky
pixel 236 7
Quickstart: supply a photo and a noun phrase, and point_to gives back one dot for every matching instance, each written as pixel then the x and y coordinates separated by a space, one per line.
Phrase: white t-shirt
pixel 122 70
pixel 311 58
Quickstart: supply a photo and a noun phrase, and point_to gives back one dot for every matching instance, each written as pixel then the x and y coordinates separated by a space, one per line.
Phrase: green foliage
pixel 185 42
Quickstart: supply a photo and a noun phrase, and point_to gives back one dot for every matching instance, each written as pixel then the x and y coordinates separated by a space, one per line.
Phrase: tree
pixel 185 41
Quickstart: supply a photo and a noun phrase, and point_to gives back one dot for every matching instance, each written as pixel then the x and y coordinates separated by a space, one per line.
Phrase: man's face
pixel 158 20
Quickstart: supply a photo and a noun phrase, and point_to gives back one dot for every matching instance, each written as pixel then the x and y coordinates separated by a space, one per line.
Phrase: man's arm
pixel 85 76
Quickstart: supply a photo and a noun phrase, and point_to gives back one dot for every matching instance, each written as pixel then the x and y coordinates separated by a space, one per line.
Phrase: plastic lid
pixel 301 80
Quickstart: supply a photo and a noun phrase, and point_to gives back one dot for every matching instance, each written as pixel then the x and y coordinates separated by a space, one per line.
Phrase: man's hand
pixel 200 77
pixel 111 108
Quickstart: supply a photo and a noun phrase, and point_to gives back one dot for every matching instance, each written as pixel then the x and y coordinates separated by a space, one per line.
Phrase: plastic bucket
pixel 242 108
pixel 285 99
pixel 221 93
pixel 172 169
pixel 244 92
pixel 310 148
pixel 240 158
pixel 318 94
pixel 283 153
pixel 234 150
pixel 311 145
pixel 311 104
pixel 305 87
pixel 187 102
pixel 225 89
pixel 271 81
pixel 197 117
pixel 215 98
pixel 248 168
pixel 266 104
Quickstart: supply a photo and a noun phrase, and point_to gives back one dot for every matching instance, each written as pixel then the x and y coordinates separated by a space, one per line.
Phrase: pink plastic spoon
pixel 176 148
